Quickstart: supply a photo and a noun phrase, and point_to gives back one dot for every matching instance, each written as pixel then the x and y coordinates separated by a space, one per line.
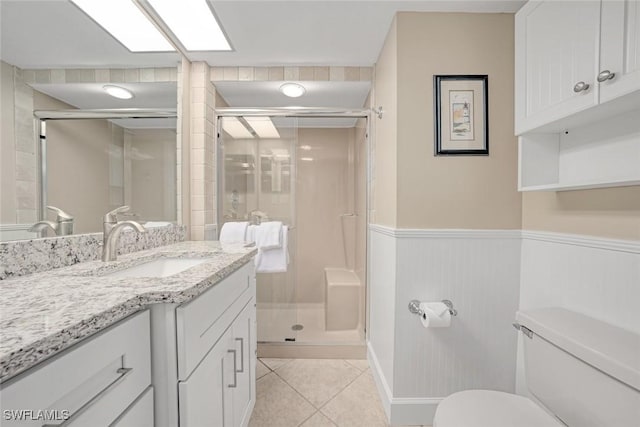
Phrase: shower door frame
pixel 305 112
pixel 43 116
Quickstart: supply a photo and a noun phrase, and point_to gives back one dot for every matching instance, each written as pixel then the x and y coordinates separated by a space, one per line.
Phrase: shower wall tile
pixel 302 73
pixel 58 76
pixel 147 75
pixel 102 75
pixel 116 75
pixel 276 73
pixel 245 73
pixel 131 75
pixel 43 76
pixel 291 73
pixel 320 73
pixel 306 73
pixel 337 74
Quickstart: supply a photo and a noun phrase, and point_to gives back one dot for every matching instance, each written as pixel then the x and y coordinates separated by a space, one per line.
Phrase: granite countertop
pixel 44 313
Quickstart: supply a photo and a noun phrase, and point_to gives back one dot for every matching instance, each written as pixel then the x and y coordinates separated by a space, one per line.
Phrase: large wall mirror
pixel 82 164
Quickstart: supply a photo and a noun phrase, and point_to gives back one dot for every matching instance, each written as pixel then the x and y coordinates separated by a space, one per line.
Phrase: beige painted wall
pixel 455 191
pixel 606 212
pixel 384 194
pixel 7 147
pixel 78 162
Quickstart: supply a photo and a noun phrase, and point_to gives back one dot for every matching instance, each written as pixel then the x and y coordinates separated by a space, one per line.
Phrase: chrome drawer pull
pixel 235 366
pixel 241 355
pixel 580 87
pixel 124 372
pixel 606 75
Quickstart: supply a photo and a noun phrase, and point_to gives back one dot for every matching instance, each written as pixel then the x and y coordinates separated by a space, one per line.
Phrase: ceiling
pixel 56 34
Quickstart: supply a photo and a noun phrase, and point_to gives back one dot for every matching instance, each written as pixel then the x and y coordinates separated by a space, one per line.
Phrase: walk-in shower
pixel 308 169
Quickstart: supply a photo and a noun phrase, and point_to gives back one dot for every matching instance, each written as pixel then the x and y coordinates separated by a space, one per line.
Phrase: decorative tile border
pixel 34 256
pixel 257 74
pixel 101 75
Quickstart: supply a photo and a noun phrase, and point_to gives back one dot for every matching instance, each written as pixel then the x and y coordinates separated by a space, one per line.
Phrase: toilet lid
pixel 487 408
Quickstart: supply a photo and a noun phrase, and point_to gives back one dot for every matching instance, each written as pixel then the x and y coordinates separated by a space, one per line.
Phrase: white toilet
pixel 581 372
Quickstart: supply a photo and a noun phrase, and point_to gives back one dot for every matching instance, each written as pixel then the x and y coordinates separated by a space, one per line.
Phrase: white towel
pixel 153 224
pixel 269 235
pixel 251 234
pixel 233 232
pixel 274 260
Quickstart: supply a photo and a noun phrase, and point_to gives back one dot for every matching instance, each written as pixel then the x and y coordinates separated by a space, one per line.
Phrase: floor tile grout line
pixel 345 387
pixel 332 397
pixel 297 392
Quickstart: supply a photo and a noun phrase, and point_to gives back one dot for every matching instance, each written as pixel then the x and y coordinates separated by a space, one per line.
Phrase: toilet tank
pixel 584 371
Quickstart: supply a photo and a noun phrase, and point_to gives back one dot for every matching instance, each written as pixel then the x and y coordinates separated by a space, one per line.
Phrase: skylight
pixel 263 126
pixel 235 128
pixel 124 21
pixel 193 23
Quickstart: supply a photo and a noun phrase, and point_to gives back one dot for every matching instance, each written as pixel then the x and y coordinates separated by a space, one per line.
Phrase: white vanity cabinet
pixel 204 354
pixel 104 380
pixel 221 390
pixel 578 94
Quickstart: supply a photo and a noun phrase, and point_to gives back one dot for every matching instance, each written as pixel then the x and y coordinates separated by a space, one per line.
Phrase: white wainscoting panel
pixel 594 276
pixel 479 271
pixel 382 288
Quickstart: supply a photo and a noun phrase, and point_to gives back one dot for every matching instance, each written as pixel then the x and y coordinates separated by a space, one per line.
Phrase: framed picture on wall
pixel 461 115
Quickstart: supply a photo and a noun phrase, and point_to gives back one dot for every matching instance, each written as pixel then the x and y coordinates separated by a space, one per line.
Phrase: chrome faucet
pixel 111 231
pixel 62 227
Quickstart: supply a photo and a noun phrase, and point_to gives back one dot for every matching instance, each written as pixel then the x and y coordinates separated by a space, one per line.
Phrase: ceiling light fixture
pixel 193 23
pixel 263 126
pixel 235 128
pixel 293 90
pixel 118 92
pixel 306 159
pixel 124 21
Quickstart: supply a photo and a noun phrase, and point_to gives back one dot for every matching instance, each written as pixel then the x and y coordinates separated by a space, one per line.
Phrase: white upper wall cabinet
pixel 556 57
pixel 619 49
pixel 578 94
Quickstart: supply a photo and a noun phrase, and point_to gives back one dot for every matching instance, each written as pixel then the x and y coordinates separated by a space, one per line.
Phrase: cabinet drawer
pixel 201 322
pixel 90 384
pixel 139 414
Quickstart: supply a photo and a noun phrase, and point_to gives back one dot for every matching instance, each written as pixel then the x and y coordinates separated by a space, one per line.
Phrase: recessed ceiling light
pixel 193 23
pixel 124 21
pixel 235 128
pixel 118 92
pixel 263 126
pixel 292 90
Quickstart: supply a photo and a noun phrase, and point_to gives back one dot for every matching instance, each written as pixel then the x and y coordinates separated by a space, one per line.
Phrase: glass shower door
pixel 257 181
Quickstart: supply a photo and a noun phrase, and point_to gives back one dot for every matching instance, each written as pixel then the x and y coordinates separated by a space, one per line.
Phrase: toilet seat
pixel 487 408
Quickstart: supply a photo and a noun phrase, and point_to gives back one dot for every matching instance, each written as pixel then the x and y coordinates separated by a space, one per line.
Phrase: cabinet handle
pixel 241 355
pixel 235 365
pixel 580 87
pixel 605 75
pixel 124 372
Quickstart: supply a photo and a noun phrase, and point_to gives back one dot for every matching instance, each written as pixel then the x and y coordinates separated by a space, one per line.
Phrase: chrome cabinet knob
pixel 580 87
pixel 605 75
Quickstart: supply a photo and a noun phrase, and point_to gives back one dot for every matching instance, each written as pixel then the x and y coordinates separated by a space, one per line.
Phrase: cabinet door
pixel 556 48
pixel 244 337
pixel 619 48
pixel 206 396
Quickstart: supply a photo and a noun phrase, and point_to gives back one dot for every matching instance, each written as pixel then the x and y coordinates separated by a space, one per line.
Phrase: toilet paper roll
pixel 435 315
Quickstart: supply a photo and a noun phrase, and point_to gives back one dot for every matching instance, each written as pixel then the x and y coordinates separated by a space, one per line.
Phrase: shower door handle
pixel 241 370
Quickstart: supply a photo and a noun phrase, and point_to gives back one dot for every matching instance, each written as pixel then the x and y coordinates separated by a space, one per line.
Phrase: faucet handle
pixel 62 215
pixel 113 215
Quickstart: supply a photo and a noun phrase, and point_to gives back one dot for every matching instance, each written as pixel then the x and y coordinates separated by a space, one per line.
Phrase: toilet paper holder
pixel 414 307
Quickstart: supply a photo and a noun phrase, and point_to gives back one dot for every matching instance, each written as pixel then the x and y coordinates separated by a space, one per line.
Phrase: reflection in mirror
pixel 96 165
pixel 86 166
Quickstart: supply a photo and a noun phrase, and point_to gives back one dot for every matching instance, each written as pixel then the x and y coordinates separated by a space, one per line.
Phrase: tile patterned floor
pixel 316 393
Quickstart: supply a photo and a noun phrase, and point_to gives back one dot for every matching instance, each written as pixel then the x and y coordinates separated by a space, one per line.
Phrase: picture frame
pixel 461 115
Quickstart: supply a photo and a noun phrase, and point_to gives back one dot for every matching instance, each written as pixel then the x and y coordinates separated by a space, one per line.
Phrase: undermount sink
pixel 163 267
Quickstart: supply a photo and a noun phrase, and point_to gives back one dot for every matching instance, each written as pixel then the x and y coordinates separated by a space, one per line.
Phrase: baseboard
pixel 401 410
pixel 311 351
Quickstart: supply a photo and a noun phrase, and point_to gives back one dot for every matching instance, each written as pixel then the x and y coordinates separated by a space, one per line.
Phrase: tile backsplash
pixel 33 256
